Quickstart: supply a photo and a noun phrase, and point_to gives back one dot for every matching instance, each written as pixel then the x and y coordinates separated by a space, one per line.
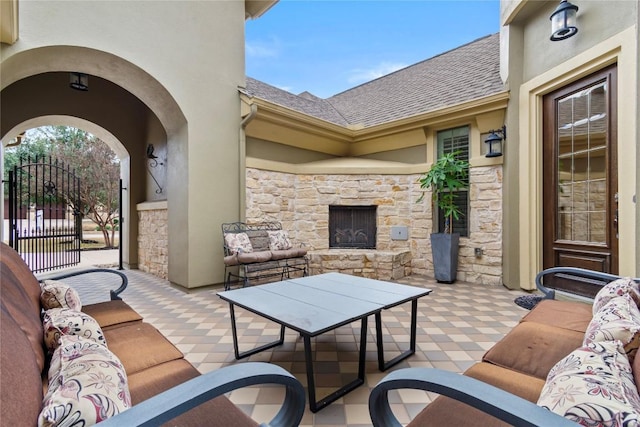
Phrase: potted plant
pixel 444 178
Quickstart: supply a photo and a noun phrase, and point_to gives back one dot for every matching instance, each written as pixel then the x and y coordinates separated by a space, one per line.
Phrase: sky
pixel 328 46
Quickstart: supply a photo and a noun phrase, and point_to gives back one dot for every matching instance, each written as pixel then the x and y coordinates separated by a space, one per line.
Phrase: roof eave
pixel 254 9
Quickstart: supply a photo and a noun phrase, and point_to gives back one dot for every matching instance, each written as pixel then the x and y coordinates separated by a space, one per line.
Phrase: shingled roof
pixel 468 72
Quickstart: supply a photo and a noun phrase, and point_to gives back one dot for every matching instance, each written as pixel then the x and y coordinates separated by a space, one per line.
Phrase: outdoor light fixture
pixel 494 141
pixel 79 81
pixel 563 21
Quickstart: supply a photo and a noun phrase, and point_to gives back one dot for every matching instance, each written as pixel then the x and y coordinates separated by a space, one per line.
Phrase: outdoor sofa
pixel 566 362
pixel 105 364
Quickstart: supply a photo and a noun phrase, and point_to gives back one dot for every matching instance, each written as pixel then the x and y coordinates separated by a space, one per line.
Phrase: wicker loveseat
pixel 79 364
pixel 565 362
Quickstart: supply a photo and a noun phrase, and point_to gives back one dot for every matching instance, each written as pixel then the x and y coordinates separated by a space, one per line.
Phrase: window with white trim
pixel 456 140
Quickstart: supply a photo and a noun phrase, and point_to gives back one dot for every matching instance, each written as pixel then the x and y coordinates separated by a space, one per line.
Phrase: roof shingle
pixel 468 72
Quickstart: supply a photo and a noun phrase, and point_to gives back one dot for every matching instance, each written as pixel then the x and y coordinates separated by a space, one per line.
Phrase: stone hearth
pixel 373 264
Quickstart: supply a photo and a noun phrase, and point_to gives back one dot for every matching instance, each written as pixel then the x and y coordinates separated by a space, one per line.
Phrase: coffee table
pixel 314 305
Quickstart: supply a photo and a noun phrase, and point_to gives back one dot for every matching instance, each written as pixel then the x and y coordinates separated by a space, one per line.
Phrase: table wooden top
pixel 313 305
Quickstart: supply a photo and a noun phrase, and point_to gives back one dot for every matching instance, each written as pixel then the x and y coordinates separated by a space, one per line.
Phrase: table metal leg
pixel 382 365
pixel 255 350
pixel 314 405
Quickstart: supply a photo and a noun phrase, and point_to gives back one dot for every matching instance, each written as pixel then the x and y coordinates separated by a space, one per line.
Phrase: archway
pixel 124 106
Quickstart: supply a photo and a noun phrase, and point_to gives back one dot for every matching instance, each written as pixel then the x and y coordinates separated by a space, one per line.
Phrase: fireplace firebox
pixel 352 227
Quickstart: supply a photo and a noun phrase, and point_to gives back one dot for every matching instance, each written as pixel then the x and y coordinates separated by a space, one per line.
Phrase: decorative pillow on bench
pixel 593 386
pixel 619 319
pixel 617 288
pixel 64 321
pixel 279 240
pixel 87 384
pixel 56 294
pixel 238 243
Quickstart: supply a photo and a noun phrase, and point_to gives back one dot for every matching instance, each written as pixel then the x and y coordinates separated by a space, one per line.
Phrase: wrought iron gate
pixel 45 224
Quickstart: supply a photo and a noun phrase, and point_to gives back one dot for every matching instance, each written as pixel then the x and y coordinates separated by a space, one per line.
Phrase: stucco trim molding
pixel 152 206
pixel 282 125
pixel 623 50
pixel 9 21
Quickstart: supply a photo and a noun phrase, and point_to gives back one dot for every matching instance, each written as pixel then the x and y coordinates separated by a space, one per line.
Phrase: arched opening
pixel 124 106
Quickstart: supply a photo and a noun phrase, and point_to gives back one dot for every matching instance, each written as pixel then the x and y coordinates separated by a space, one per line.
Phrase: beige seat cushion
pixel 112 313
pixel 253 257
pixel 444 411
pixel 562 314
pixel 219 412
pixel 140 346
pixel 533 348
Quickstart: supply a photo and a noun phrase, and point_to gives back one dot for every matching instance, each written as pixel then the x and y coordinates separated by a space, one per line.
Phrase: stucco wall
pixel 301 203
pixel 533 65
pixel 184 62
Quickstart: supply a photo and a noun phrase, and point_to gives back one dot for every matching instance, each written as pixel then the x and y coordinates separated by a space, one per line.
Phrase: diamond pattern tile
pixel 457 323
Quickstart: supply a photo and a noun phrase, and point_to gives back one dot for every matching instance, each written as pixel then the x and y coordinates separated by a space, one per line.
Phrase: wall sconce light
pixel 563 21
pixel 79 81
pixel 494 141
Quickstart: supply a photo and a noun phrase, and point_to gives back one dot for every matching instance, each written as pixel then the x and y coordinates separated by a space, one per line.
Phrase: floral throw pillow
pixel 87 385
pixel 593 386
pixel 617 288
pixel 63 321
pixel 238 243
pixel 56 294
pixel 279 240
pixel 619 320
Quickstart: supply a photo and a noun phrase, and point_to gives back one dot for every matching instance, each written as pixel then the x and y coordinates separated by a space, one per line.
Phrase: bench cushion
pixel 253 257
pixel 149 382
pixel 533 348
pixel 562 314
pixel 289 253
pixel 112 313
pixel 444 411
pixel 140 346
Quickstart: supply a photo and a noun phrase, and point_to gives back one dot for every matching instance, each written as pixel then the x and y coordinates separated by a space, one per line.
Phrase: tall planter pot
pixel 444 248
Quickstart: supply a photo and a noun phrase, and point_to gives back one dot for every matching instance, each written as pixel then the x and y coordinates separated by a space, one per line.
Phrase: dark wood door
pixel 580 177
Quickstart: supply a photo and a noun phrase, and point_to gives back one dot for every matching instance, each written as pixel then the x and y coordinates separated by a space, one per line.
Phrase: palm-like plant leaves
pixel 446 176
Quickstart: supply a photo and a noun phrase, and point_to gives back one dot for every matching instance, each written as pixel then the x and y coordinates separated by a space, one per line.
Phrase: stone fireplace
pixel 352 227
pixel 301 202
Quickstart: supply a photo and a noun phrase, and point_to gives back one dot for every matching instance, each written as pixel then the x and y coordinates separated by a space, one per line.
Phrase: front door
pixel 580 175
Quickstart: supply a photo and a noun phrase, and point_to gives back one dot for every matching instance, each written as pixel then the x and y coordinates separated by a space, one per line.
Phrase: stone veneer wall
pixel 153 238
pixel 301 204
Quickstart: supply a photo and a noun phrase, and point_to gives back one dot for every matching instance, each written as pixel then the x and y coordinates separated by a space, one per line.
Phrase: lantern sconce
pixel 563 21
pixel 79 81
pixel 494 142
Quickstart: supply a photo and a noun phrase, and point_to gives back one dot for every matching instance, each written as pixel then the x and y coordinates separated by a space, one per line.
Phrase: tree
pixel 93 161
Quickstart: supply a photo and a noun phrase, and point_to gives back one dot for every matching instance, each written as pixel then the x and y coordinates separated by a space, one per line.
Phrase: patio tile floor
pixel 456 324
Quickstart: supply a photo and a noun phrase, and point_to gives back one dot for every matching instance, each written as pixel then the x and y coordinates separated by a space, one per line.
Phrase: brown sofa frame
pixel 163 385
pixel 501 389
